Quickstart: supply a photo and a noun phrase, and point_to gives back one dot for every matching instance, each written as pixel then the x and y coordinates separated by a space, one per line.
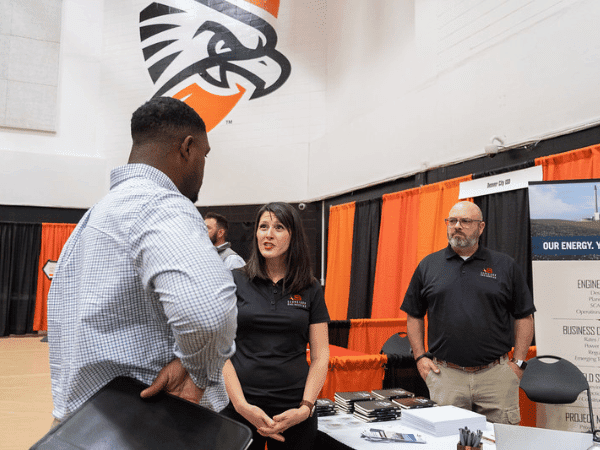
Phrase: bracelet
pixel 310 405
pixel 423 355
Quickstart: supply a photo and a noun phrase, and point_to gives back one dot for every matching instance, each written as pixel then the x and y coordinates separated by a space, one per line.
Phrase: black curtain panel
pixel 240 236
pixel 367 218
pixel 339 330
pixel 19 254
pixel 506 217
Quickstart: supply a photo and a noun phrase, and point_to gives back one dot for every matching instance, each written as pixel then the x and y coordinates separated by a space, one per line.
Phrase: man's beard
pixel 463 242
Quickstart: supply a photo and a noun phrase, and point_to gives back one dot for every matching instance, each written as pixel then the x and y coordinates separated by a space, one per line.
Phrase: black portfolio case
pixel 116 417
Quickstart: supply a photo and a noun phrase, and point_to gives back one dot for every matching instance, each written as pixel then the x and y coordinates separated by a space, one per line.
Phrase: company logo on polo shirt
pixel 297 302
pixel 488 273
pixel 209 53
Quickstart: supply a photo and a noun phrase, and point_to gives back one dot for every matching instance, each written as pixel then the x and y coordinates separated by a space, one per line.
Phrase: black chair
pixel 556 382
pixel 401 369
pixel 397 344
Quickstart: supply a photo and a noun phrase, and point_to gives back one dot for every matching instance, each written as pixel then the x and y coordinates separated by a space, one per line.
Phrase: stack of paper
pixel 443 420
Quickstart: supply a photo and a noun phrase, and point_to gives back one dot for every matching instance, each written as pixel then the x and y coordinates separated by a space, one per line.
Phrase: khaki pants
pixel 493 392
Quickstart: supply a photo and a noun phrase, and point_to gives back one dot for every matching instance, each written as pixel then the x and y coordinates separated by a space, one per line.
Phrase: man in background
pixel 217 232
pixel 470 294
pixel 139 290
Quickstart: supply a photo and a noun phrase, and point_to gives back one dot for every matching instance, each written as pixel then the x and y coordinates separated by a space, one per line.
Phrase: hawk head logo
pixel 208 53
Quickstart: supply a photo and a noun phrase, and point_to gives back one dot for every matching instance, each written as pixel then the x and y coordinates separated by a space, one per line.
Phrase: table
pixel 342 431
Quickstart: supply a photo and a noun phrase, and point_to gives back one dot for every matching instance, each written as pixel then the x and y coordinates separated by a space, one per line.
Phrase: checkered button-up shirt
pixel 138 283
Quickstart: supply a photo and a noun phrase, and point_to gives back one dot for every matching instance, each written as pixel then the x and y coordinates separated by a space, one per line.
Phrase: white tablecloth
pixel 345 428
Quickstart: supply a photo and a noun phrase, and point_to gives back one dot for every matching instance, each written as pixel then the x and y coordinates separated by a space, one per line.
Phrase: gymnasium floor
pixel 25 397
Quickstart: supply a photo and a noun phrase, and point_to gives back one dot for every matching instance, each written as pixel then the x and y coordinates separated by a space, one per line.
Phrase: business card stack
pixel 414 402
pixel 324 407
pixel 391 394
pixel 376 410
pixel 344 401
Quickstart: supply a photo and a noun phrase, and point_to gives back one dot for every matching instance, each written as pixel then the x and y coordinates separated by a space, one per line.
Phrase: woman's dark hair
pixel 298 274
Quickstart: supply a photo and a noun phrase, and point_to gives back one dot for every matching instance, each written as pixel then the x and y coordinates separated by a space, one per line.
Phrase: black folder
pixel 116 417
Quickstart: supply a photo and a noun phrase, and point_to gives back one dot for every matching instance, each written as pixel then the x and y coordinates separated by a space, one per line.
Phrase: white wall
pixel 417 85
pixel 379 89
pixel 65 168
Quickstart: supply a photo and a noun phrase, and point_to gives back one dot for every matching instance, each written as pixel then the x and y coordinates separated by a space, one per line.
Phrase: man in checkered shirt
pixel 139 289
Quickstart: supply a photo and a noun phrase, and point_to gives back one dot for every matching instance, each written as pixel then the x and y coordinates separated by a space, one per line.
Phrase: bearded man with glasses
pixel 478 307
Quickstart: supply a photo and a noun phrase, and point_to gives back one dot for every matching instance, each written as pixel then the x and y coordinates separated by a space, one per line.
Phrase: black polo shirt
pixel 273 330
pixel 469 304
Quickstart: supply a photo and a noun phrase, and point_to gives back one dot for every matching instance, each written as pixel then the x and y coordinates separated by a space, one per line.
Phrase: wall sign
pixel 509 181
pixel 209 53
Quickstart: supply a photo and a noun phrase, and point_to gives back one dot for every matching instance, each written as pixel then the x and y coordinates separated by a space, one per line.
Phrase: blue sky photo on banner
pixel 565 235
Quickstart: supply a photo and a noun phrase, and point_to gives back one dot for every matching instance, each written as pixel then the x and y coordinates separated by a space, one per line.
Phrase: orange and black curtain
pixel 351 259
pixel 19 253
pixel 412 226
pixel 375 246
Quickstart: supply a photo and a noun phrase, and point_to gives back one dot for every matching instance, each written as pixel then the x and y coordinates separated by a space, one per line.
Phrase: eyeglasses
pixel 453 221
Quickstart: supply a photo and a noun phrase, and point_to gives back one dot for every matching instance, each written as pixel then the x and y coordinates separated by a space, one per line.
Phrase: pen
pixel 477 438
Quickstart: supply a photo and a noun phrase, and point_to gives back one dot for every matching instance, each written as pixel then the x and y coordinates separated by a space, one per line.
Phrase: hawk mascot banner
pixel 209 53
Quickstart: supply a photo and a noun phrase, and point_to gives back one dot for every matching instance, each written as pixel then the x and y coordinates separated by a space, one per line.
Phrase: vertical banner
pixel 565 234
pixel 54 237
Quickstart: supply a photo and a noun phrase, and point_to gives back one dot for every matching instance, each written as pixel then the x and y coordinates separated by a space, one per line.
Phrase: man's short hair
pixel 164 116
pixel 221 221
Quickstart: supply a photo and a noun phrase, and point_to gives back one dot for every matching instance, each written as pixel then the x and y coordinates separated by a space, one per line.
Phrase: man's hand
pixel 425 365
pixel 175 380
pixel 516 369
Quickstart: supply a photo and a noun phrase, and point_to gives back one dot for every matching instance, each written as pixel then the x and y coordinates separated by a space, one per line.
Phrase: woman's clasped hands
pixel 273 427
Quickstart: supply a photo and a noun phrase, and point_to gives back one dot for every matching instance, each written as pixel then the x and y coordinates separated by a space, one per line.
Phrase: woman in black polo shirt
pixel 281 308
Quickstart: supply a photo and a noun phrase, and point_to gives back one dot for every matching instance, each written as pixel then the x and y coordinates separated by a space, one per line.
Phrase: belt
pixel 473 369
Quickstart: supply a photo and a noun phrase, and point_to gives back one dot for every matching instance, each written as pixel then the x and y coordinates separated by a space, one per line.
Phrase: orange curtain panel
pixel 396 253
pixel 436 201
pixel 577 164
pixel 339 259
pixel 412 226
pixel 353 373
pixel 369 335
pixel 54 236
